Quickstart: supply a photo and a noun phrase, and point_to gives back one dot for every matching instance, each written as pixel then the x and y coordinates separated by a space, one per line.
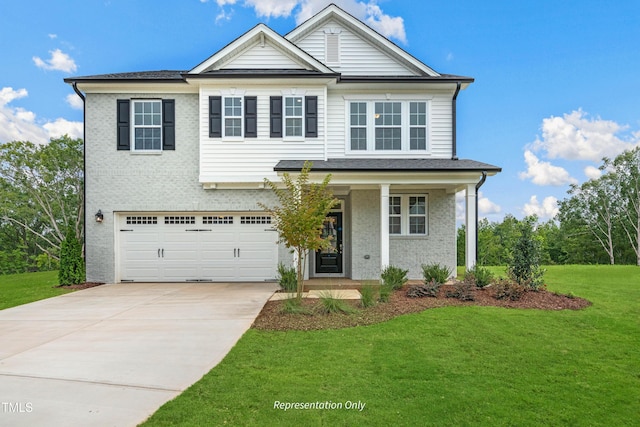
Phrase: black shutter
pixel 215 117
pixel 124 133
pixel 311 116
pixel 168 124
pixel 275 119
pixel 250 117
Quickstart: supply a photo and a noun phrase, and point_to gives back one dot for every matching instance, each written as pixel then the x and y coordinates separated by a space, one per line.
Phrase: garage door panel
pixel 181 247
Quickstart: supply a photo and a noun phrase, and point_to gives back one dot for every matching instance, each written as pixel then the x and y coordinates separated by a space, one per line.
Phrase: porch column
pixel 384 226
pixel 471 226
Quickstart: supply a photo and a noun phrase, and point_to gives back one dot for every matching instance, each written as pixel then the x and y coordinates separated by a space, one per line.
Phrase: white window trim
pixel 225 117
pixel 371 128
pixel 292 93
pixel 132 121
pixel 405 215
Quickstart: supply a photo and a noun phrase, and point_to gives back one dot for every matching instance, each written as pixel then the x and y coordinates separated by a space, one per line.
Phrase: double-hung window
pixel 147 125
pixel 387 125
pixel 293 116
pixel 233 116
pixel 408 215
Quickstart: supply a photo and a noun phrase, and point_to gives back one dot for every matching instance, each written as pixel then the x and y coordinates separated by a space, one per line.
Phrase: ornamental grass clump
pixel 394 277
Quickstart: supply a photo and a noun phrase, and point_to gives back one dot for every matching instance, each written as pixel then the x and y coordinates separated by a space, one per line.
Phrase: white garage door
pixel 203 247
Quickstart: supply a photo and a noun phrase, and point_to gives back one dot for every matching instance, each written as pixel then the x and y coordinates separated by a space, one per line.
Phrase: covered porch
pixel 395 212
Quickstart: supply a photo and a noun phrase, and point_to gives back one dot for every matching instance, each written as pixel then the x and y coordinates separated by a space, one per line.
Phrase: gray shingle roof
pixel 389 165
pixel 162 75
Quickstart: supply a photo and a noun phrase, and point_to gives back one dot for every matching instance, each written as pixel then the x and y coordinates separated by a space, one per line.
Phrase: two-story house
pixel 176 160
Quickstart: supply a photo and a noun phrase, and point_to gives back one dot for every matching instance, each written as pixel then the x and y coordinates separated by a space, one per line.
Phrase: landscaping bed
pixel 272 318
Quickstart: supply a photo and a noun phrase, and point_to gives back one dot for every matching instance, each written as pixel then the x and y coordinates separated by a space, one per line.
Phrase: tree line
pixel 598 222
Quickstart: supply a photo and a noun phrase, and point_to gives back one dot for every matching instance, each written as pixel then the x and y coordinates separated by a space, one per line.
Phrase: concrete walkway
pixel 112 355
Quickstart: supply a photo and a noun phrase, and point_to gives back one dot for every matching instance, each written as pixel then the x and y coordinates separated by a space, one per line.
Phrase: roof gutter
pixel 454 149
pixel 478 185
pixel 84 163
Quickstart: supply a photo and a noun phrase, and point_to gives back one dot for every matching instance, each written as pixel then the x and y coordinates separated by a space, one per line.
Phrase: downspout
pixel 84 165
pixel 454 148
pixel 478 185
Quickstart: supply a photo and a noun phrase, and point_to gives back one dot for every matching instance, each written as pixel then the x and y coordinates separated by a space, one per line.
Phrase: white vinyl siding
pixel 253 159
pixel 357 56
pixel 262 56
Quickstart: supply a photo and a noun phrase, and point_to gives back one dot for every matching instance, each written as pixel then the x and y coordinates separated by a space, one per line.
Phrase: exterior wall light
pixel 99 216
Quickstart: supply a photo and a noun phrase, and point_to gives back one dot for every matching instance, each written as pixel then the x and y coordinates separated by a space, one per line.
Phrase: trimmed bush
pixel 436 273
pixel 508 289
pixel 479 276
pixel 463 291
pixel 394 277
pixel 429 289
pixel 71 262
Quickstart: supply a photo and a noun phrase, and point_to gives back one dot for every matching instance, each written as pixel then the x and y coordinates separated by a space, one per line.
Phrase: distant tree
pixel 592 205
pixel 41 191
pixel 299 218
pixel 626 175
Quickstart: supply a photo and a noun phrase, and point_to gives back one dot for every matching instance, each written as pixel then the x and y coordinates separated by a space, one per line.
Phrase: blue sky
pixel 556 87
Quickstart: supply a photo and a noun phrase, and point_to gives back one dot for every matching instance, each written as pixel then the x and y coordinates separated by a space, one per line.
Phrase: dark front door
pixel 330 260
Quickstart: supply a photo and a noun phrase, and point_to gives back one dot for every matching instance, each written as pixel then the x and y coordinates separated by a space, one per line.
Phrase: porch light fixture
pixel 99 216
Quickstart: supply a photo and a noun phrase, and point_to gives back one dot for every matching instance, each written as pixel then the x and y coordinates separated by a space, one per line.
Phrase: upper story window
pixel 293 114
pixel 390 125
pixel 408 215
pixel 147 125
pixel 233 116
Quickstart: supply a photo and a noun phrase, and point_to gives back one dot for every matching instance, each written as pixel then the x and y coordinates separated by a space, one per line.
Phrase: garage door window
pixel 255 220
pixel 179 219
pixel 217 220
pixel 142 220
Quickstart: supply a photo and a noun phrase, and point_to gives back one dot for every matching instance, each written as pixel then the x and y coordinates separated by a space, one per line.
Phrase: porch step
pixel 335 293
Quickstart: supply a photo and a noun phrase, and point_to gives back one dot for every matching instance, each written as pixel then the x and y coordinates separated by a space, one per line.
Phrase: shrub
pixel 71 263
pixel 294 306
pixel 385 292
pixel 436 272
pixel 463 291
pixel 329 304
pixel 524 264
pixel 508 289
pixel 478 276
pixel 287 278
pixel 429 289
pixel 394 277
pixel 368 295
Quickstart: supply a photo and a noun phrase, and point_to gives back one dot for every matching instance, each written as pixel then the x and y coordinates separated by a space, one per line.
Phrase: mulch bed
pixel 272 318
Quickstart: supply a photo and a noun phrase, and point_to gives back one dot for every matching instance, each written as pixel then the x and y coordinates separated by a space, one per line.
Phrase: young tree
pixel 524 265
pixel 72 269
pixel 299 218
pixel 42 189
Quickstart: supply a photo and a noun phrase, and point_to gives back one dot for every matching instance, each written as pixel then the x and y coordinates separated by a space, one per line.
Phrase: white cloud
pixel 486 206
pixel 592 172
pixel 544 173
pixel 59 61
pixel 74 101
pixel 63 127
pixel 576 136
pixel 366 11
pixel 272 8
pixel 18 124
pixel 547 210
pixel 53 36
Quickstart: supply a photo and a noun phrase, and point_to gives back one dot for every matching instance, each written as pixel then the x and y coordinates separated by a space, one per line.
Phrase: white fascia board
pixel 250 38
pixel 150 87
pixel 333 11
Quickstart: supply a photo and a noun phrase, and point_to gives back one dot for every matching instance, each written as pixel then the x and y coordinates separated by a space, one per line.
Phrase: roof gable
pixel 253 48
pixel 334 19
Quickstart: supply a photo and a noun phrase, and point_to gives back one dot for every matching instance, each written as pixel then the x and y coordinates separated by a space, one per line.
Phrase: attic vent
pixel 332 48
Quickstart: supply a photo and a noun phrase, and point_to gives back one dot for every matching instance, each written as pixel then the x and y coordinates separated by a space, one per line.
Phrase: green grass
pixel 452 366
pixel 17 289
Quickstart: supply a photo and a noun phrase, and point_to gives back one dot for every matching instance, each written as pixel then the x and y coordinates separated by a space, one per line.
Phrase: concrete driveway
pixel 112 355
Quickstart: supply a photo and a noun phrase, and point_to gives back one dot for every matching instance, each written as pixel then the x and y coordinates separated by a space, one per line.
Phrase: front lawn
pixel 17 289
pixel 446 366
